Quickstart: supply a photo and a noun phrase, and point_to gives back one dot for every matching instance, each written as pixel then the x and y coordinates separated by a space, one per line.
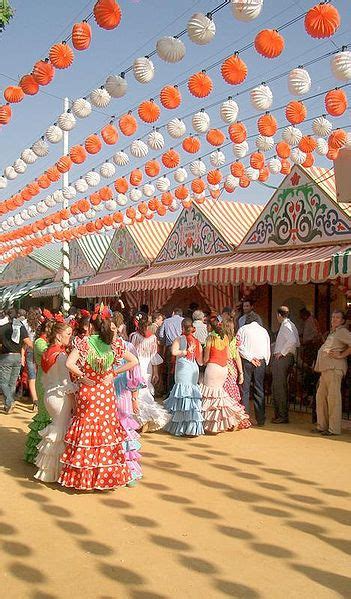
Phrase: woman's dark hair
pixel 187 326
pixel 342 314
pixel 82 325
pixel 216 327
pixel 118 319
pixel 156 315
pixel 57 328
pixel 33 319
pixel 44 328
pixel 102 327
pixel 143 325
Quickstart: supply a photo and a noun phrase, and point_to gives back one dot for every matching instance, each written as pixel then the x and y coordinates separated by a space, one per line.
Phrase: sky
pixel 38 24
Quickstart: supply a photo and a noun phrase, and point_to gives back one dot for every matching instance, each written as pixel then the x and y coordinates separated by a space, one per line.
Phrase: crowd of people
pixel 94 378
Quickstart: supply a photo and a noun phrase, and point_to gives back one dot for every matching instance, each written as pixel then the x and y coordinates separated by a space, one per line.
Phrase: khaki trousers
pixel 329 401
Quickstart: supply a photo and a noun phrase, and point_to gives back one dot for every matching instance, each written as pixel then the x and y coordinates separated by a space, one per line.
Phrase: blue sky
pixel 40 23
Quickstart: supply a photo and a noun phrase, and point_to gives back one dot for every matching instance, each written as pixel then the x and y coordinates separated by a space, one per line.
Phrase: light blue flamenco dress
pixel 185 400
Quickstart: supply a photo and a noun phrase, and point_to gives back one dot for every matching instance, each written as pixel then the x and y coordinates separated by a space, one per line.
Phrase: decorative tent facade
pixel 21 277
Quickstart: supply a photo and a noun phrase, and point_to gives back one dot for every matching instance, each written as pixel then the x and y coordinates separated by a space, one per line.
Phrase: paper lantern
pixel 121 185
pixel 116 85
pixel 309 161
pixel 66 121
pixel 61 55
pixel 139 149
pixel 267 125
pixel 121 199
pixel 10 173
pixel 348 140
pixel 198 168
pixel 29 85
pixel 264 174
pixel 100 97
pixel 53 173
pixel 43 72
pixel 214 177
pixel 128 124
pixel 229 111
pixel 237 132
pixel 191 144
pixel 135 194
pixel 292 135
pixel 81 108
pixel 217 158
pixel 170 97
pixel 252 173
pixel 92 178
pixel 341 65
pixel 109 134
pixel 64 164
pixel 332 154
pixel 274 166
pixel 269 43
pixel 3 182
pixel 322 21
pixel 40 148
pixel 136 177
pixel 181 192
pixel 201 29
pixel 111 205
pixel 121 158
pixel 58 196
pixel 107 170
pixel 149 111
pixel 143 69
pixel 77 154
pixel 299 82
pixel 13 94
pixel 69 192
pixel 241 150
pixel 171 159
pixel 246 10
pixel 180 175
pixel 231 182
pixel 297 156
pixel 295 112
pixel 307 144
pixel 28 156
pixel 198 185
pixel 81 35
pixel 264 143
pixel 20 166
pixel 337 139
pixel 201 122
pixel 257 160
pixel 148 190
pixel 107 14
pixel 5 114
pixel 93 144
pixel 170 49
pixel 54 134
pixel 176 128
pixel 163 184
pixel 200 84
pixel 44 181
pixel 283 149
pixel 261 97
pixel 215 137
pixel 234 70
pixel 336 102
pixel 244 182
pixel 155 140
pixel 322 146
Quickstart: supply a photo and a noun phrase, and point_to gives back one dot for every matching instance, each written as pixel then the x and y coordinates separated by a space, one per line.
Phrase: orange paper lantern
pixel 136 177
pixel 61 56
pixel 128 124
pixel 105 194
pixel 237 132
pixel 149 111
pixel 53 173
pixel 307 144
pixel 13 94
pixel 107 14
pixel 283 149
pixel 198 185
pixel 43 72
pixel 332 154
pixel 121 185
pixel 336 102
pixel 191 144
pixel 93 144
pixel 322 21
pixel 181 192
pixel 81 35
pixel 267 125
pixel 5 114
pixel 244 182
pixel 152 168
pixel 64 164
pixel 200 85
pixel 109 134
pixel 309 161
pixel 295 112
pixel 237 169
pixel 257 160
pixel 269 43
pixel 77 154
pixel 167 198
pixel 214 177
pixel 215 137
pixel 264 174
pixel 29 85
pixel 286 167
pixel 170 97
pixel 234 70
pixel 337 139
pixel 171 159
pixel 44 181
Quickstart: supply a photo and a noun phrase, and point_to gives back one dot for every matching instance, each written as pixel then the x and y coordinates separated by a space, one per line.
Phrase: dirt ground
pixel 263 513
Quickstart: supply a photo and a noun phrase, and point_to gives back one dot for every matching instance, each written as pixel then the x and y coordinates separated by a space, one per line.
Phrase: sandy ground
pixel 262 513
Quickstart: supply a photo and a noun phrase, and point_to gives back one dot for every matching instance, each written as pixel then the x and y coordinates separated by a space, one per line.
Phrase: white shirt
pixel 254 342
pixel 287 338
pixel 201 332
pixel 242 320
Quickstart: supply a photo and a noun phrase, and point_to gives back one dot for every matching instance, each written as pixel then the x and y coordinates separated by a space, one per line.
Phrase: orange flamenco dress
pixel 94 457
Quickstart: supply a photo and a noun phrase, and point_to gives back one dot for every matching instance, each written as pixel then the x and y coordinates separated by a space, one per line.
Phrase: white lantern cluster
pixel 341 65
pixel 274 166
pixel 116 86
pixel 100 98
pixel 107 170
pixel 121 158
pixel 264 143
pixel 292 135
pixel 163 184
pixel 241 150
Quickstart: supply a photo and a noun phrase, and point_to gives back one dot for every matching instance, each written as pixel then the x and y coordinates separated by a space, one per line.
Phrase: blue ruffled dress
pixel 185 401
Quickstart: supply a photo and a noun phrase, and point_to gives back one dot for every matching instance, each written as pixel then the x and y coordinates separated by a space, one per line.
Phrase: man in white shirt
pixel 248 308
pixel 255 351
pixel 283 359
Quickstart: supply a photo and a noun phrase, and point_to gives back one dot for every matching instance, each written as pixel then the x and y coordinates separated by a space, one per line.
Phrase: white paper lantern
pixel 217 158
pixel 139 149
pixel 232 182
pixel 149 190
pixel 175 206
pixel 81 186
pixel 92 178
pixel 322 146
pixel 341 65
pixel 322 127
pixel 264 143
pixel 66 121
pixel 274 166
pixel 299 82
pixel 199 196
pixel 201 29
pixel 348 140
pixel 240 150
pixel 121 158
pixel 155 140
pixel 180 175
pixel 107 170
pixel 111 205
pixel 252 173
pixel 50 201
pixel 57 228
pixel 246 10
pixel 261 97
pixel 10 173
pixel 54 134
pixel 297 156
pixel 90 213
pixel 163 184
pixel 20 166
pixel 201 122
pixel 18 220
pixel 176 128
pixel 3 182
pixel 24 214
pixel 28 155
pixel 116 85
pixel 135 194
pixel 292 135
pixel 42 208
pixel 69 192
pixel 229 111
pixel 40 148
pixel 81 108
pixel 198 168
pixel 58 196
pixel 99 207
pixel 143 69
pixel 32 211
pixel 81 218
pixel 121 199
pixel 72 221
pixel 170 49
pixel 100 97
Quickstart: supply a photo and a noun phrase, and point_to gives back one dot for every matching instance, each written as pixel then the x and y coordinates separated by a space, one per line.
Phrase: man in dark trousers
pixel 13 335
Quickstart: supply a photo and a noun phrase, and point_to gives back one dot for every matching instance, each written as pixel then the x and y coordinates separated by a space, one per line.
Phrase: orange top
pixel 218 356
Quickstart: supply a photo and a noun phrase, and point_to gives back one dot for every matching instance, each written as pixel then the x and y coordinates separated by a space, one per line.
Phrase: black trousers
pixel 255 374
pixel 280 388
pixel 169 369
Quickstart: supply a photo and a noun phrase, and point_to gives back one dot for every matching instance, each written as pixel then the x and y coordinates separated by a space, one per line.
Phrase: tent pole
pixel 65 244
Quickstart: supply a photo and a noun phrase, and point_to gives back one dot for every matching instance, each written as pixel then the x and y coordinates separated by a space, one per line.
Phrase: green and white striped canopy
pixel 341 264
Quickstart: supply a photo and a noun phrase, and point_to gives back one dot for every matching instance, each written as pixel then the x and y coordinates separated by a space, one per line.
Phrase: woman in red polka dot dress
pixel 94 456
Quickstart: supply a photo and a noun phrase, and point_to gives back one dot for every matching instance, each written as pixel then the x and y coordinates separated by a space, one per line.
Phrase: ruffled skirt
pixel 40 421
pixel 131 445
pixel 184 405
pixel 152 416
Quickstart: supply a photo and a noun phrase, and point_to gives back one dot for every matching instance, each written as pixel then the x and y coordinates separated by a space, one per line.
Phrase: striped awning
pixel 8 295
pixel 106 284
pixel 283 267
pixel 167 276
pixel 341 263
pixel 56 287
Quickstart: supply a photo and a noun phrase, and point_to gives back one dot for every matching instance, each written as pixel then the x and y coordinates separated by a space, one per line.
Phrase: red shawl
pixel 196 354
pixel 49 357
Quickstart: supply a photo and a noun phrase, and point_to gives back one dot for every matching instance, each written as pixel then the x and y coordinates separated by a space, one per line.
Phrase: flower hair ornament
pixel 101 310
pixel 85 313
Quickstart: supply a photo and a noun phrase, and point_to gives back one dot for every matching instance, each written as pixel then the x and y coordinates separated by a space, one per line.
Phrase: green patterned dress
pixel 41 419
